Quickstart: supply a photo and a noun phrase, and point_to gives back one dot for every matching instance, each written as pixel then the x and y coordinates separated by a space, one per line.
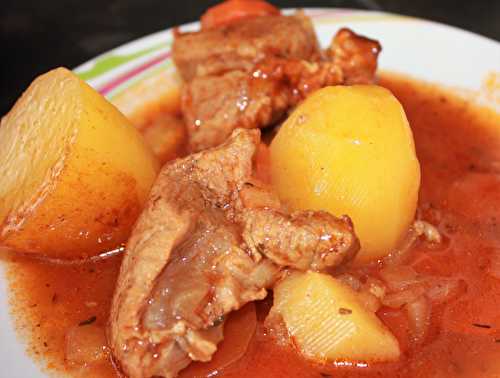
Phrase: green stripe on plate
pixel 110 61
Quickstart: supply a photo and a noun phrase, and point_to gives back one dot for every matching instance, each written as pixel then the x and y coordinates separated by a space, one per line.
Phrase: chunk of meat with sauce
pixel 289 240
pixel 238 46
pixel 210 240
pixel 214 105
pixel 356 56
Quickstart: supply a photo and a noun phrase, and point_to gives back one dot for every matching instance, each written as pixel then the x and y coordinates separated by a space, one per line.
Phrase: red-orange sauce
pixel 458 148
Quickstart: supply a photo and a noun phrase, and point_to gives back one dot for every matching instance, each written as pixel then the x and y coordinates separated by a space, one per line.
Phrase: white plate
pixel 423 49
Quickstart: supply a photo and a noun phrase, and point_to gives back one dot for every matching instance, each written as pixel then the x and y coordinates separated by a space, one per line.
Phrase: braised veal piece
pixel 248 74
pixel 210 240
pixel 239 45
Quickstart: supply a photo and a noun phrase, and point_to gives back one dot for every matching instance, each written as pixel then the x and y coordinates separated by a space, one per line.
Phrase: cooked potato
pixel 350 150
pixel 328 323
pixel 74 172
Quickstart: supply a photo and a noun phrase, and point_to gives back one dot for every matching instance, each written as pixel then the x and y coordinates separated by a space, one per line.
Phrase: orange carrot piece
pixel 234 10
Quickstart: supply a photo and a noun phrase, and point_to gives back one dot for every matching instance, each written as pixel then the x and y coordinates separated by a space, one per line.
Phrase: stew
pixel 455 331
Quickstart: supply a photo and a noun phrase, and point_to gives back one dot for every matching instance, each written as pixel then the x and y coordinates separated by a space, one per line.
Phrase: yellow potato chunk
pixel 74 173
pixel 350 150
pixel 328 323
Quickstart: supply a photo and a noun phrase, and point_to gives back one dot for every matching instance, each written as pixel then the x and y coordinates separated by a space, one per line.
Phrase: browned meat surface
pixel 238 46
pixel 301 240
pixel 213 106
pixel 260 93
pixel 210 239
pixel 356 56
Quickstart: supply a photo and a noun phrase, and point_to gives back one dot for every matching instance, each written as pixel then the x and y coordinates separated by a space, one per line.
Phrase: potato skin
pixel 90 179
pixel 350 150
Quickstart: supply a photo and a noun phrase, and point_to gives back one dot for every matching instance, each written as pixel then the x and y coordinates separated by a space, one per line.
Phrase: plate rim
pixel 168 33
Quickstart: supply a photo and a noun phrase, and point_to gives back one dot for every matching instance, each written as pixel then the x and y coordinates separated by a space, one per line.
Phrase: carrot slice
pixel 234 10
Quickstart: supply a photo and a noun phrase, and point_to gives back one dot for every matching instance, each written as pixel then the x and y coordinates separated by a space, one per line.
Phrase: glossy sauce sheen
pixel 459 153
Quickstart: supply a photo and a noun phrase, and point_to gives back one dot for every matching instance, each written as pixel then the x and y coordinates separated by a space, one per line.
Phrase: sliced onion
pixel 418 229
pixel 442 290
pixel 350 280
pixel 86 344
pixel 403 252
pixel 428 231
pixel 419 318
pixel 369 301
pixel 375 287
pixel 371 293
pixel 399 277
pixel 400 298
pixel 238 332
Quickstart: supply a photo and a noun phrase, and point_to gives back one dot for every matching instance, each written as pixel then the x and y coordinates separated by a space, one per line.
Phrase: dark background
pixel 38 35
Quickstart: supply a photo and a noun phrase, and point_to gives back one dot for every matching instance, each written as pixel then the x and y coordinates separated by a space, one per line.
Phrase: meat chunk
pixel 238 46
pixel 304 240
pixel 213 106
pixel 260 94
pixel 207 243
pixel 355 55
